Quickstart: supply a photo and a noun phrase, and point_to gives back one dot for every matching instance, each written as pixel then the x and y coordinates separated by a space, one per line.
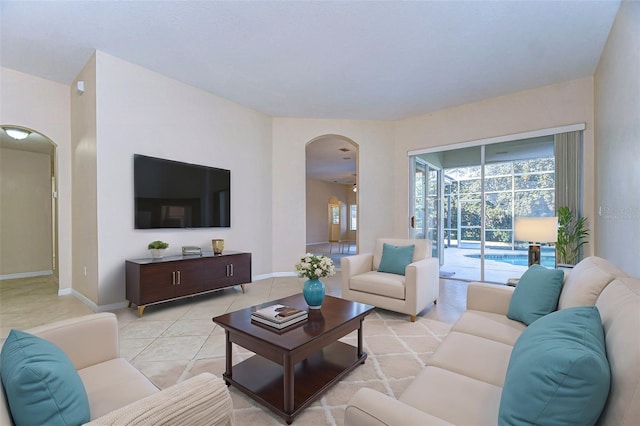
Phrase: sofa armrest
pixel 370 408
pixel 200 400
pixel 492 298
pixel 86 340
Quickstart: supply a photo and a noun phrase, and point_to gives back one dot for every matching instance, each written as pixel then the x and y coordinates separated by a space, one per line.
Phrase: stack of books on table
pixel 279 316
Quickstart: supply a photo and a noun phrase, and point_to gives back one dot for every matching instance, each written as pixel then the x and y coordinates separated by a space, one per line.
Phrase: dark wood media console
pixel 151 281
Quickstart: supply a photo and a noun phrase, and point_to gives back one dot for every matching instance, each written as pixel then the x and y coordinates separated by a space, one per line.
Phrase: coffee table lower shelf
pixel 263 380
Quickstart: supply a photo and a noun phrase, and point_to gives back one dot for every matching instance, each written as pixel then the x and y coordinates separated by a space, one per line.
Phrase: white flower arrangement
pixel 313 267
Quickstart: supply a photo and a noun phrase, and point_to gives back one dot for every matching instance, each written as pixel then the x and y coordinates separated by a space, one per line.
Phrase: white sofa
pixel 463 381
pixel 408 294
pixel 118 393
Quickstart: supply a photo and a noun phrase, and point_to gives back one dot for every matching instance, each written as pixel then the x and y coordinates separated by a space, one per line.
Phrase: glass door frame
pixel 418 164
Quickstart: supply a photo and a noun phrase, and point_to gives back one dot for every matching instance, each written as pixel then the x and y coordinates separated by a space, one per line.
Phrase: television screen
pixel 171 194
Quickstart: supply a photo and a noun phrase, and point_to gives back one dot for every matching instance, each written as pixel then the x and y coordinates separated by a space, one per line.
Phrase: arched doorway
pixel 331 195
pixel 28 203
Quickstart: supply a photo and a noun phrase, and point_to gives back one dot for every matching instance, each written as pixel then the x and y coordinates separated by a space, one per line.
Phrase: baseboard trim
pixel 318 243
pixel 91 304
pixel 26 275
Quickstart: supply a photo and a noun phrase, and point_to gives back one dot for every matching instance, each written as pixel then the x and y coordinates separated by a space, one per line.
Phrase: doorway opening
pixel 331 196
pixel 28 199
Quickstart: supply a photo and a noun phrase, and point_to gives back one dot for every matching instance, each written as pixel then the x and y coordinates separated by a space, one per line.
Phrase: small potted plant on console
pixel 157 248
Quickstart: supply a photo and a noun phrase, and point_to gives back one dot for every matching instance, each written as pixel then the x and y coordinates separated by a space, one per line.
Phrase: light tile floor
pixel 177 340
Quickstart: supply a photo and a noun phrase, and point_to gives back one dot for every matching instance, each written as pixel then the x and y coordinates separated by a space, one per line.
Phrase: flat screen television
pixel 172 194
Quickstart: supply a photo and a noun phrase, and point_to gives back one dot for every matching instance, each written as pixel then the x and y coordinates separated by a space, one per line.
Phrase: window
pixel 335 215
pixel 353 217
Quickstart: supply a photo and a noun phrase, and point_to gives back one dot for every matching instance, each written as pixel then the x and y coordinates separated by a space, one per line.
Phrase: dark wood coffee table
pixel 293 367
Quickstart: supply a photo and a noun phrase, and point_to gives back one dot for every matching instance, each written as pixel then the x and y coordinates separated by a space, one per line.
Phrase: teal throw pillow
pixel 395 258
pixel 558 373
pixel 536 294
pixel 41 384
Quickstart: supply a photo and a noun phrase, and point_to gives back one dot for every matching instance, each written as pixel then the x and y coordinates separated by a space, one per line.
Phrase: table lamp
pixel 536 230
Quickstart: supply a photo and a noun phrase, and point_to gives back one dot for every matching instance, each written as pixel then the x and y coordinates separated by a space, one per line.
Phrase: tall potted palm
pixel 572 235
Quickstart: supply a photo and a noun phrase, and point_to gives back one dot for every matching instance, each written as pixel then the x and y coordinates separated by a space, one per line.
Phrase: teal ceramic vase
pixel 313 292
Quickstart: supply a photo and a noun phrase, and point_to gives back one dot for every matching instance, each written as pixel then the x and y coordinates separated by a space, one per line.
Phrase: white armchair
pixel 408 294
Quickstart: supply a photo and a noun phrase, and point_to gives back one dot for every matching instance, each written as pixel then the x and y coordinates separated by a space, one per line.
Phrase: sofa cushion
pixel 380 283
pixel 453 397
pixel 558 372
pixel 472 356
pixel 41 384
pixel 490 326
pixel 104 381
pixel 585 282
pixel 536 294
pixel 203 400
pixel 395 258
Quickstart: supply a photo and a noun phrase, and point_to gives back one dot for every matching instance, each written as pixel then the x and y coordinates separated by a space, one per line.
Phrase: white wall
pixel 617 112
pixel 84 168
pixel 375 182
pixel 43 106
pixel 139 111
pixel 542 108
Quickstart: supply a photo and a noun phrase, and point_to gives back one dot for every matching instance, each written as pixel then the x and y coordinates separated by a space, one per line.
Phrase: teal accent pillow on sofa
pixel 536 294
pixel 558 373
pixel 395 258
pixel 41 384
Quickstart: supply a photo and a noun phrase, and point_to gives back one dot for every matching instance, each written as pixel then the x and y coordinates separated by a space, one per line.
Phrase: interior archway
pixel 28 204
pixel 331 182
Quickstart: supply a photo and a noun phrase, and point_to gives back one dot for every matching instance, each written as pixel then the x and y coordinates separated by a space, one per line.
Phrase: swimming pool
pixel 546 260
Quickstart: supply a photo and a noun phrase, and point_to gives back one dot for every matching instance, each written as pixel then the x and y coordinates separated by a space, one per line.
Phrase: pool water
pixel 548 261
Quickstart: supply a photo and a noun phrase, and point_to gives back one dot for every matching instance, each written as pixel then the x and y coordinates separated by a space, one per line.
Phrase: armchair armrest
pixel 492 298
pixel 369 408
pixel 200 400
pixel 422 282
pixel 86 340
pixel 356 265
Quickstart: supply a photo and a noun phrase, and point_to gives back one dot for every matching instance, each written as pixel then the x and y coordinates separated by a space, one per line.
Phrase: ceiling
pixel 331 159
pixel 369 60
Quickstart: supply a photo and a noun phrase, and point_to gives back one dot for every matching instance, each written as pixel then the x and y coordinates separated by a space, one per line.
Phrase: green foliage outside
pixel 512 189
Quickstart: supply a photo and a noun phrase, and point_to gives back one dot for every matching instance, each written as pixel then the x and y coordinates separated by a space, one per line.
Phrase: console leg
pixel 242 287
pixel 141 310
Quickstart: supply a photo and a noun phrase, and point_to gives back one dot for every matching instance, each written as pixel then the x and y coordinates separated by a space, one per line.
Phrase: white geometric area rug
pixel 397 350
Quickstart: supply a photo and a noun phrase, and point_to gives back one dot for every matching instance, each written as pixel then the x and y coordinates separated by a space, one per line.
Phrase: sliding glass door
pixel 462 213
pixel 465 202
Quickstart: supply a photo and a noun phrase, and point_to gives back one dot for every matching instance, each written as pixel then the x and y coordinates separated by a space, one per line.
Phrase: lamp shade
pixel 536 229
